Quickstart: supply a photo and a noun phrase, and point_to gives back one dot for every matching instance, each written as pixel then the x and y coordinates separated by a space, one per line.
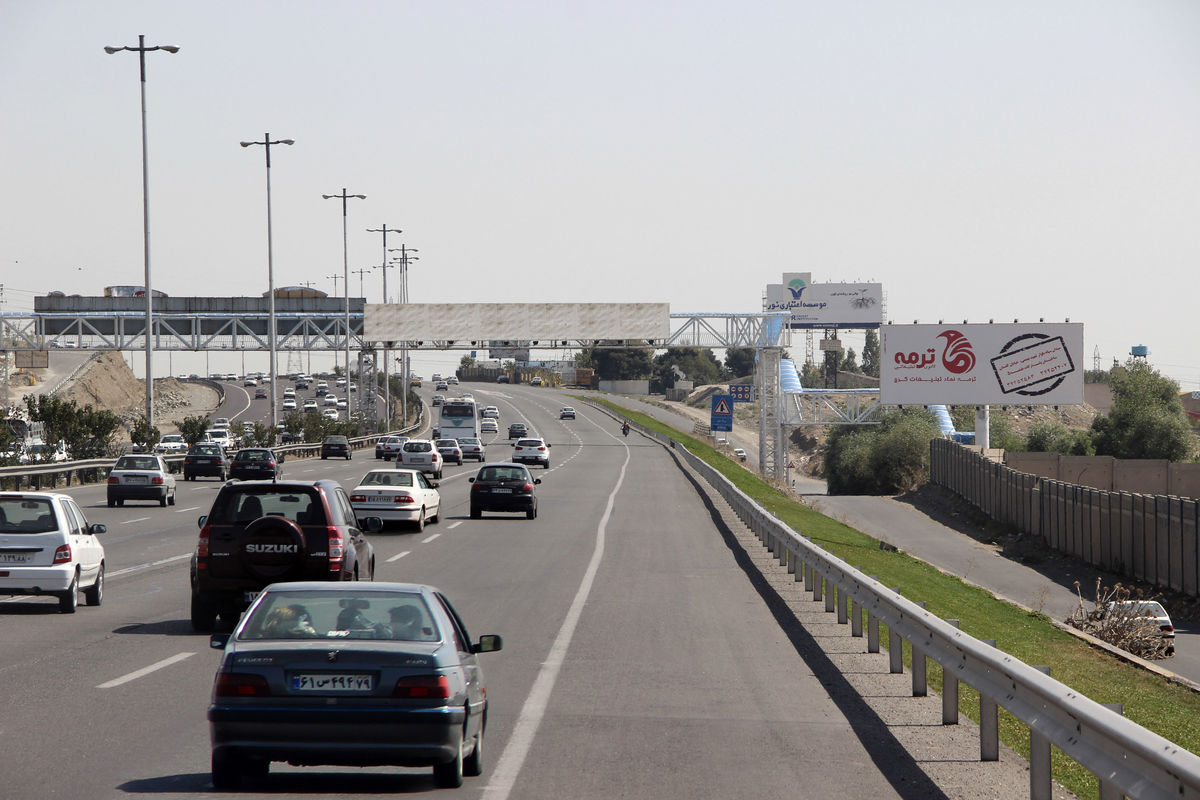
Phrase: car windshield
pixel 27 515
pixel 503 474
pixel 136 462
pixel 244 504
pixel 340 614
pixel 388 478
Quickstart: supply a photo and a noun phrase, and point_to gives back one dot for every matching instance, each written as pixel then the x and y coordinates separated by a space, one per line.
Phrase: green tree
pixel 467 361
pixel 1146 419
pixel 698 364
pixel 811 377
pixel 890 457
pixel 739 361
pixel 144 434
pixel 849 361
pixel 86 431
pixel 870 354
pixel 192 428
pixel 1054 437
pixel 622 363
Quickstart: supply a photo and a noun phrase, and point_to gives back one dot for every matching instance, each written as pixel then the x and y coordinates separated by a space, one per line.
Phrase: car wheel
pixel 204 615
pixel 162 501
pixel 171 499
pixel 323 456
pixel 224 477
pixel 546 465
pixel 450 774
pixel 438 516
pixel 68 601
pixel 225 772
pixel 230 614
pixel 94 594
pixel 421 521
pixel 111 502
pixel 349 456
pixel 473 764
pixel 475 513
pixel 531 513
pixel 120 502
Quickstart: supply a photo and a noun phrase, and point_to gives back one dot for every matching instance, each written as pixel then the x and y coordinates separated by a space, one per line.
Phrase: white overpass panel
pixel 395 322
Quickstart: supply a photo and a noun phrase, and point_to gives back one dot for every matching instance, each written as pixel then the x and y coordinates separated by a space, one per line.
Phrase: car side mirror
pixel 97 528
pixel 218 641
pixel 537 480
pixel 470 480
pixel 488 643
pixel 512 444
pixel 282 458
pixel 200 522
pixel 548 445
pixel 433 484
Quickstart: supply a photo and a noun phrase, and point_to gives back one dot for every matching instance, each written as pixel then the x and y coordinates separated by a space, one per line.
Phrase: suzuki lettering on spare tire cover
pixel 275 549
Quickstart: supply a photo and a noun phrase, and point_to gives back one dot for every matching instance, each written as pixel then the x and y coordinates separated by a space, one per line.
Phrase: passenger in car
pixel 289 622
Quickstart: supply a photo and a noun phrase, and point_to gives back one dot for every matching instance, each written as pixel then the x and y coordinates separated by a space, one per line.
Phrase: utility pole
pixel 387 352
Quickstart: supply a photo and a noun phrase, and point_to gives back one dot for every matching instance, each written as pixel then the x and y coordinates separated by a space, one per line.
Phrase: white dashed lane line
pixel 399 556
pixel 135 519
pixel 189 508
pixel 429 539
pixel 133 676
pixel 453 525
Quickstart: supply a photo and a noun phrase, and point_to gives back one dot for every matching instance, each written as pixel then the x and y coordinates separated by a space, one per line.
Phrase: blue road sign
pixel 722 413
pixel 742 392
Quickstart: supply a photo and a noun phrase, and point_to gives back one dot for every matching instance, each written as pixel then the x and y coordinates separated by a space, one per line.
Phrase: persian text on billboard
pixel 1019 364
pixel 828 305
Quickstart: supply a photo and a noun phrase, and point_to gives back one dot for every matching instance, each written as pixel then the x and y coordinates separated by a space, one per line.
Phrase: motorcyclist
pixel 625 428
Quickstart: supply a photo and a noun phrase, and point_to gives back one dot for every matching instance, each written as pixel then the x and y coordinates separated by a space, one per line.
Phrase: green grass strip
pixel 1169 709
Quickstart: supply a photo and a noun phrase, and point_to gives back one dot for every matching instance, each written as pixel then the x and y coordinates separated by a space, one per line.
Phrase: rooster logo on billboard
pixel 958 357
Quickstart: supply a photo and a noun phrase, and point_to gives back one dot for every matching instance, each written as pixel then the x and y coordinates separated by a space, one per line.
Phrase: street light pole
pixel 266 145
pixel 405 257
pixel 346 279
pixel 387 352
pixel 141 50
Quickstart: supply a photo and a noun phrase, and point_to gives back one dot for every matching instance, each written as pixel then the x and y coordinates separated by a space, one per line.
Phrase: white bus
pixel 460 419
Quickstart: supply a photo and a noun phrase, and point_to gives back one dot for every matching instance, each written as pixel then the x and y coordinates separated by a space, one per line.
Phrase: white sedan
pixel 47 547
pixel 397 495
pixel 140 477
pixel 488 426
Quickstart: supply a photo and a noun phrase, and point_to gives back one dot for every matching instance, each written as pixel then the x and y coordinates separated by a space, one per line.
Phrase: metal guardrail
pixel 76 470
pixel 1127 759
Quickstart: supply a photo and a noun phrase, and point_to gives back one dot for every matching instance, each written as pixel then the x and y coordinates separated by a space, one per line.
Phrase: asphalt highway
pixel 639 661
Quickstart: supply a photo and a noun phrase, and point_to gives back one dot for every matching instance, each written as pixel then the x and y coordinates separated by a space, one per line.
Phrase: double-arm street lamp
pixel 406 255
pixel 266 145
pixel 141 50
pixel 346 281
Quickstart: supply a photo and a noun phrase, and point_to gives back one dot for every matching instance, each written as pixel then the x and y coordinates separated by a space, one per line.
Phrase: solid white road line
pixel 504 776
pixel 398 556
pixel 133 676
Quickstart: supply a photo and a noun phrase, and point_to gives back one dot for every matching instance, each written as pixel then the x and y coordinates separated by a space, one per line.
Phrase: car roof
pixel 33 495
pixel 341 586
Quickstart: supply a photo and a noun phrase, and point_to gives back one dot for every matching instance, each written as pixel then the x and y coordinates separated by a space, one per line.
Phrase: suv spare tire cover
pixel 274 549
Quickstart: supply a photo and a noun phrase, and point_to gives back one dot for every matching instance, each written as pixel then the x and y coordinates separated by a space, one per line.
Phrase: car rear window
pixel 206 449
pixel 336 440
pixel 468 441
pixel 417 447
pixel 243 505
pixel 253 455
pixel 130 462
pixel 388 479
pixel 447 443
pixel 27 515
pixel 347 614
pixel 529 443
pixel 503 474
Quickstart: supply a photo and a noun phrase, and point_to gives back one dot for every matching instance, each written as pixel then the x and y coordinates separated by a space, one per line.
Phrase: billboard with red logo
pixel 1018 364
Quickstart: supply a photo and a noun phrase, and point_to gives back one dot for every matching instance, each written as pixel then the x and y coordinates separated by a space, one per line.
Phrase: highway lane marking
pixel 189 508
pixel 453 525
pixel 139 673
pixel 135 519
pixel 504 776
pixel 429 539
pixel 398 556
pixel 149 565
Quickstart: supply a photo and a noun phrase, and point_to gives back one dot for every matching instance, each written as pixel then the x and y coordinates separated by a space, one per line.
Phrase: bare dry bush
pixel 1121 625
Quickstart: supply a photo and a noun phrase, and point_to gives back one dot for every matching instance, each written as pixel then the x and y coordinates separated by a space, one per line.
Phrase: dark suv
pixel 205 458
pixel 338 446
pixel 260 533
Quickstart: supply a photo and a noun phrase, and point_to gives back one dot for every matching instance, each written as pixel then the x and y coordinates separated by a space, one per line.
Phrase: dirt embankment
pixel 108 383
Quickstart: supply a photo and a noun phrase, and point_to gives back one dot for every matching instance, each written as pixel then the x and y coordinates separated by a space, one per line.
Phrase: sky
pixel 1003 160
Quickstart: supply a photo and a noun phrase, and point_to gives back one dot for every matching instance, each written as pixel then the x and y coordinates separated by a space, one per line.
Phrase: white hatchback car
pixel 421 454
pixel 47 547
pixel 397 495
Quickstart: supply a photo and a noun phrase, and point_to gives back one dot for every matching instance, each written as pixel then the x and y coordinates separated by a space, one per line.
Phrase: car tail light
pixel 541 449
pixel 403 498
pixel 271 464
pixel 63 554
pixel 477 487
pixel 528 487
pixel 1167 628
pixel 202 545
pixel 113 479
pixel 239 684
pixel 157 480
pixel 358 498
pixel 436 687
pixel 337 549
